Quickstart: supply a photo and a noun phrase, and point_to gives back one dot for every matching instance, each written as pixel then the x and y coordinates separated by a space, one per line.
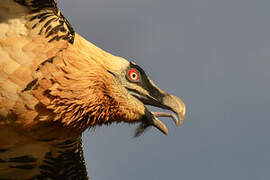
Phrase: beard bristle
pixel 142 128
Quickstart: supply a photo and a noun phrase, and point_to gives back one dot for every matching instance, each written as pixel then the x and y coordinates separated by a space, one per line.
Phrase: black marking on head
pixel 23 159
pixel 145 83
pixel 135 91
pixel 24 166
pixel 30 85
pixel 2 161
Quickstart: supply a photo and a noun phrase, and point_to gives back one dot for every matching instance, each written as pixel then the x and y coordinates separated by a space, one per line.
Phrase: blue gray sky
pixel 215 55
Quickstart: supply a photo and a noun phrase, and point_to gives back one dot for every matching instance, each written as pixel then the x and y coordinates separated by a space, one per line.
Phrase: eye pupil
pixel 133 75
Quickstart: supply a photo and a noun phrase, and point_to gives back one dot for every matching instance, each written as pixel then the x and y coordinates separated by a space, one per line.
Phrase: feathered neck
pixel 79 89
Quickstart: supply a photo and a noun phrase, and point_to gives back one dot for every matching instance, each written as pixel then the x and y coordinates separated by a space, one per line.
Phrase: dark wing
pixel 67 164
pixel 55 160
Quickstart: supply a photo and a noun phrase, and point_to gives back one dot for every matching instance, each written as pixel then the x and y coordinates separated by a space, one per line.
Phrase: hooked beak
pixel 162 100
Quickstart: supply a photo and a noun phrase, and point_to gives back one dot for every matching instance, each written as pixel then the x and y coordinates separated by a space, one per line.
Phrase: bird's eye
pixel 133 75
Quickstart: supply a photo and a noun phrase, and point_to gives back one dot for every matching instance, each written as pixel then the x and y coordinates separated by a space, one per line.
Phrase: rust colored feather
pixel 54 84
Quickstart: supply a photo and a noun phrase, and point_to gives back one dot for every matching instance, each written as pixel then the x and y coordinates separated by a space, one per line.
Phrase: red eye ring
pixel 133 75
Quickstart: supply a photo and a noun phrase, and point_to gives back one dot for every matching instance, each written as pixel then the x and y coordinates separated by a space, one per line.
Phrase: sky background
pixel 215 55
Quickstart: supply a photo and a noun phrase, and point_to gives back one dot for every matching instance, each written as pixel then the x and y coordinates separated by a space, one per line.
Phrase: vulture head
pixel 137 91
pixel 54 84
pixel 97 88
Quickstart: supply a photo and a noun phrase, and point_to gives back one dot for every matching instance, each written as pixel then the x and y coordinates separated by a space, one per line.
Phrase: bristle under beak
pixel 151 121
pixel 148 93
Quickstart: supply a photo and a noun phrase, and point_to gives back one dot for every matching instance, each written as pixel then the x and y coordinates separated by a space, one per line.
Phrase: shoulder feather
pixel 34 17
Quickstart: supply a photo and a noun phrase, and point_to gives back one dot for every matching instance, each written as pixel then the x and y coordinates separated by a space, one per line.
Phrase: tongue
pixel 165 114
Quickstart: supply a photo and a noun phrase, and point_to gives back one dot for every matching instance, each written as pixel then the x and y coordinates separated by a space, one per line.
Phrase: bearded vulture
pixel 54 85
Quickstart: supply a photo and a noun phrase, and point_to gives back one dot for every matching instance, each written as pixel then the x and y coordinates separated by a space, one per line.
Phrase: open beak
pixel 176 105
pixel 162 100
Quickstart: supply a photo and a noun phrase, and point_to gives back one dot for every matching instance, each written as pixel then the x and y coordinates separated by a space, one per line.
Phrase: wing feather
pixel 34 17
pixel 46 159
pixel 32 35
